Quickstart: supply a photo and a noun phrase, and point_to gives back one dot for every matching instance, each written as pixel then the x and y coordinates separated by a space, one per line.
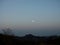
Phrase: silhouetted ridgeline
pixel 29 40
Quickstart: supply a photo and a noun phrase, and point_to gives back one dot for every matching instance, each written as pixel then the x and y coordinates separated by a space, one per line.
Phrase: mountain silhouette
pixel 29 36
pixel 29 39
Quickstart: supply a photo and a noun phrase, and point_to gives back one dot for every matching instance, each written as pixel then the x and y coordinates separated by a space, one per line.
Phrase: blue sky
pixel 30 14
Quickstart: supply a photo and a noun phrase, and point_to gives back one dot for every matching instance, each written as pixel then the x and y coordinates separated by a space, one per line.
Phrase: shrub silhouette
pixel 7 31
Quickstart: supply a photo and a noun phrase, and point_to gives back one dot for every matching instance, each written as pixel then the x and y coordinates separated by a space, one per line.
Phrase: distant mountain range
pixel 29 39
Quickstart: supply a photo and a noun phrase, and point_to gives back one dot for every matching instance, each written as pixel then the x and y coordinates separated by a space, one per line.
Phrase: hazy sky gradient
pixel 34 15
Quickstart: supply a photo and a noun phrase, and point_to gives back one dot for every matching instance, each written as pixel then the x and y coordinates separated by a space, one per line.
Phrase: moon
pixel 33 20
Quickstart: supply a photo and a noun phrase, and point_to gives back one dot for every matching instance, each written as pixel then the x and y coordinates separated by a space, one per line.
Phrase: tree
pixel 7 31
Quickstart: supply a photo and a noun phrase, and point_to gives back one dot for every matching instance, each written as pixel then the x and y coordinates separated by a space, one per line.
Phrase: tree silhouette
pixel 7 31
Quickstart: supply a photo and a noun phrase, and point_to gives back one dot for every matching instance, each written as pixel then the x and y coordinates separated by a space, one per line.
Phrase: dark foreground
pixel 29 40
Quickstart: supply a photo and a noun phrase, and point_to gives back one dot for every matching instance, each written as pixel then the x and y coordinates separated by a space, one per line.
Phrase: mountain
pixel 29 39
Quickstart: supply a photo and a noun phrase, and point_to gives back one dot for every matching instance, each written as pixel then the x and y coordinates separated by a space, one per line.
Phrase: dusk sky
pixel 39 17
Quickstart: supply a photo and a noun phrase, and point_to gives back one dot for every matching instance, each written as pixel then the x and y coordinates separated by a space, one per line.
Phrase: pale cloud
pixel 38 22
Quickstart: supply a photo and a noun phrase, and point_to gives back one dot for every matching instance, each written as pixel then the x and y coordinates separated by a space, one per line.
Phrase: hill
pixel 29 39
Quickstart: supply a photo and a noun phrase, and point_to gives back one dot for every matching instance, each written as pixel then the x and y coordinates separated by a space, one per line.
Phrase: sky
pixel 39 17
